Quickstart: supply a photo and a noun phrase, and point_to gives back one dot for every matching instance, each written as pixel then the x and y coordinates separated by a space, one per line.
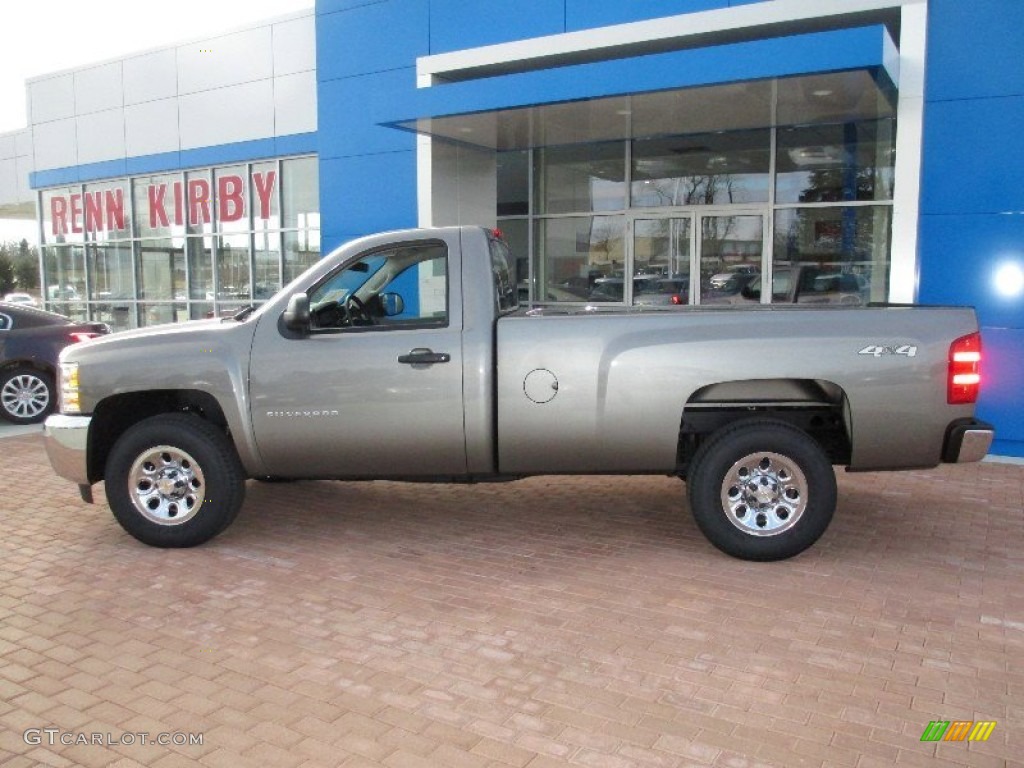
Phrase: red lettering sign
pixel 93 211
pixel 179 203
pixel 157 214
pixel 230 204
pixel 264 184
pixel 198 202
pixel 76 214
pixel 59 215
pixel 104 210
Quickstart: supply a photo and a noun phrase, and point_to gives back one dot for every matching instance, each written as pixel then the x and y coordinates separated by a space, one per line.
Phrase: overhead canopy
pixel 825 77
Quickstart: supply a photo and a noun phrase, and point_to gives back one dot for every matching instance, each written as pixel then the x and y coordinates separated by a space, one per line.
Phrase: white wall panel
pixel 101 136
pixel 23 143
pixel 51 99
pixel 8 181
pixel 152 127
pixel 225 115
pixel 294 46
pixel 295 104
pixel 98 88
pixel 24 166
pixel 228 60
pixel 7 147
pixel 150 76
pixel 55 144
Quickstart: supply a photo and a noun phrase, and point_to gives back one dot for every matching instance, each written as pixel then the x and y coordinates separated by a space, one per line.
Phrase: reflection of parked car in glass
pixel 30 340
pixel 647 289
pixel 719 280
pixel 58 293
pixel 804 284
pixel 21 298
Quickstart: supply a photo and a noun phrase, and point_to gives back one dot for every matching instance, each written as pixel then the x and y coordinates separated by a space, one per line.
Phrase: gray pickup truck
pixel 405 356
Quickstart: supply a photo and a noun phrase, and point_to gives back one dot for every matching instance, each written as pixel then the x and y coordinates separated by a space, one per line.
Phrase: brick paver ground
pixel 547 622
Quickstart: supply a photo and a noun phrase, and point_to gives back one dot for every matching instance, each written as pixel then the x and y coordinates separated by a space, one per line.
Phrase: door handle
pixel 422 356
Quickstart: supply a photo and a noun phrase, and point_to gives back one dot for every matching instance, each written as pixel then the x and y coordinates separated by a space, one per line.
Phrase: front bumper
pixel 967 440
pixel 66 439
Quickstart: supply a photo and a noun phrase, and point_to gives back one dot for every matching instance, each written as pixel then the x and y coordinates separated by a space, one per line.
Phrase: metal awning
pixel 825 77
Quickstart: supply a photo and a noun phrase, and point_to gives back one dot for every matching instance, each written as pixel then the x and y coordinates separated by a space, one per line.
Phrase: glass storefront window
pixel 160 314
pixel 300 185
pixel 162 269
pixel 200 268
pixel 119 316
pixel 513 183
pixel 836 163
pixel 65 273
pixel 580 178
pixel 267 265
pixel 702 169
pixel 233 268
pixel 581 258
pixel 661 260
pixel 301 251
pixel 833 255
pixel 110 271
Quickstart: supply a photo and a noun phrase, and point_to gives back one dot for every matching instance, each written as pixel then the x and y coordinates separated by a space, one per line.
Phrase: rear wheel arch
pixel 817 407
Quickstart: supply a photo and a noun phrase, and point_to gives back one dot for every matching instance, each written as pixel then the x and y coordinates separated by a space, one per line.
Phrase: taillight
pixel 677 299
pixel 82 336
pixel 964 380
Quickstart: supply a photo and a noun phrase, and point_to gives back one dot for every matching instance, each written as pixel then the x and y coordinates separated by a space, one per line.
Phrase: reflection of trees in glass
pixel 708 189
pixel 832 185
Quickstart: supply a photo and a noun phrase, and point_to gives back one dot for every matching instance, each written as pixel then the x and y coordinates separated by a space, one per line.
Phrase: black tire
pixel 201 481
pixel 761 490
pixel 27 395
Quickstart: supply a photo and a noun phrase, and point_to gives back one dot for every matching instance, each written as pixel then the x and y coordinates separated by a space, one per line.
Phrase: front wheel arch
pixel 761 489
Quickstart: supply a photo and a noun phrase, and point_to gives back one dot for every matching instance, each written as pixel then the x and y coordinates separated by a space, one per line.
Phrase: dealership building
pixel 844 151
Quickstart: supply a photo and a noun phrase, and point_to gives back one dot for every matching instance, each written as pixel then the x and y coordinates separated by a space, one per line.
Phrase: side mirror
pixel 296 316
pixel 392 304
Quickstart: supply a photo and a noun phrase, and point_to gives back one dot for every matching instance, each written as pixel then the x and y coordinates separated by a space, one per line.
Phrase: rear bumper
pixel 66 439
pixel 967 440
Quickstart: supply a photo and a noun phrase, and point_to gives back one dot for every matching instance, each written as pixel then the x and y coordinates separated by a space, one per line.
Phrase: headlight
pixel 69 400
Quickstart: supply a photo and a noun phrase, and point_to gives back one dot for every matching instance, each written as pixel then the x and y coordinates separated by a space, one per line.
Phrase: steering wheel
pixel 357 312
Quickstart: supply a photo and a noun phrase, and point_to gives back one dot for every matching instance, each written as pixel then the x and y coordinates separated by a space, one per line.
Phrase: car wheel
pixel 761 490
pixel 174 480
pixel 26 395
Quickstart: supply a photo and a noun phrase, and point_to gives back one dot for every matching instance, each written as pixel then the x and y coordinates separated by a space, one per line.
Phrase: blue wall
pixel 972 204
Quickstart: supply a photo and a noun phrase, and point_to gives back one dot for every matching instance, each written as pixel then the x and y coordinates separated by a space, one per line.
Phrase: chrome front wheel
pixel 166 485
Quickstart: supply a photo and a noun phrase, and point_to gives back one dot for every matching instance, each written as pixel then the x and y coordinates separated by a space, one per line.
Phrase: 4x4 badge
pixel 877 351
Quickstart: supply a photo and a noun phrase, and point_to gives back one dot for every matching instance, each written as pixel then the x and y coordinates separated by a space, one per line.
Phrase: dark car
pixel 30 340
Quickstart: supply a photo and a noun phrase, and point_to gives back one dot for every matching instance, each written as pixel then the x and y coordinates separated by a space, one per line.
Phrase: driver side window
pixel 400 286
